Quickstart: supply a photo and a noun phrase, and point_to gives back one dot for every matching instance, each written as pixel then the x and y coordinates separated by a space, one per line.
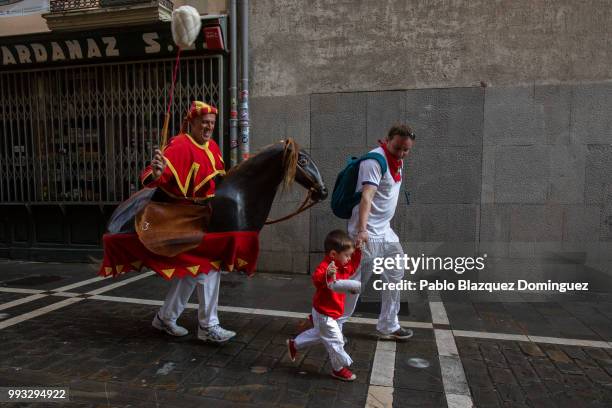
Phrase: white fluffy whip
pixel 346 286
pixel 186 24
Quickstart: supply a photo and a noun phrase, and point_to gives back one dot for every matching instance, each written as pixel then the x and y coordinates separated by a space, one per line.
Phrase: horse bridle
pixel 305 204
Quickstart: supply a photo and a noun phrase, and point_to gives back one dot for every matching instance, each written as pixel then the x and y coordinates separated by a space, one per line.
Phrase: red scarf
pixel 395 165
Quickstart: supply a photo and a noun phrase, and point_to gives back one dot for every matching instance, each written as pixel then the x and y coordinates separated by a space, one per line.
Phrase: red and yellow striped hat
pixel 200 108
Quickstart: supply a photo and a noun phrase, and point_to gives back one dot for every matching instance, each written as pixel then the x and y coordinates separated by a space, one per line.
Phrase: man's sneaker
pixel 399 334
pixel 215 334
pixel 172 329
pixel 291 348
pixel 344 374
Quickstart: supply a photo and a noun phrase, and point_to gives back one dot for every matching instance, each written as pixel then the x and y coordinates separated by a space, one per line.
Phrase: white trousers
pixel 180 292
pixel 388 321
pixel 326 331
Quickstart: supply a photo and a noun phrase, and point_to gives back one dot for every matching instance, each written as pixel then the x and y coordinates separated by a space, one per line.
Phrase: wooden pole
pixel 164 140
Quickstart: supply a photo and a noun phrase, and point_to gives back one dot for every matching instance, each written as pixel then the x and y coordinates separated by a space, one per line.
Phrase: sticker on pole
pixel 186 24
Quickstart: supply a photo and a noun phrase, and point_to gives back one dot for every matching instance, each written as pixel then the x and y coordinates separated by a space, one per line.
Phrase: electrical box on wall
pixel 214 38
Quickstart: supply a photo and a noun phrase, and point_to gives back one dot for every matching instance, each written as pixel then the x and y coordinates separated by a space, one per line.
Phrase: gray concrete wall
pixel 299 48
pixel 520 173
pixel 511 103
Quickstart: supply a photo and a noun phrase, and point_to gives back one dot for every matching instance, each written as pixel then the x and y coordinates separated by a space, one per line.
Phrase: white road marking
pixel 121 283
pixel 445 343
pixel 380 391
pixel 298 315
pixel 455 384
pixel 66 294
pixel 67 288
pixel 379 397
pixel 493 336
pixel 20 290
pixel 438 313
pixel 21 301
pixel 459 401
pixel 38 293
pixel 38 312
pixel 383 367
pixel 128 300
pixel 67 302
pixel 569 342
pixel 260 312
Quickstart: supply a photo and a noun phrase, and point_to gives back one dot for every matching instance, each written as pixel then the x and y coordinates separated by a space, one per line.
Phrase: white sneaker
pixel 215 334
pixel 172 329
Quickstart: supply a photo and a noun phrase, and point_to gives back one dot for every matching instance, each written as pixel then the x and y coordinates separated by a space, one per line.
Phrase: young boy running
pixel 340 262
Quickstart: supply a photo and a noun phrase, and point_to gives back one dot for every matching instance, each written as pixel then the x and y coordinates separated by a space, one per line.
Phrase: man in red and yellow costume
pixel 186 172
pixel 186 169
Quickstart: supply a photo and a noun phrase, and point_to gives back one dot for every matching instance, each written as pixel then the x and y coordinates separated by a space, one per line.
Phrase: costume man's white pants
pixel 326 331
pixel 208 296
pixel 390 302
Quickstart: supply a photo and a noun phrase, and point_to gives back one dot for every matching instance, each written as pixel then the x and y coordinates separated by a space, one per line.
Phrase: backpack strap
pixel 382 162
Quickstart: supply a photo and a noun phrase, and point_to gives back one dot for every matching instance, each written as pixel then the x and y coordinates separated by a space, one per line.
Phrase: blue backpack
pixel 344 197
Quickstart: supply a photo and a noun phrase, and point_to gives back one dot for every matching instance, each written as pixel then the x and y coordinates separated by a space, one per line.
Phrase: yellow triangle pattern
pixel 119 268
pixel 241 262
pixel 137 264
pixel 216 264
pixel 194 269
pixel 168 272
pixel 108 270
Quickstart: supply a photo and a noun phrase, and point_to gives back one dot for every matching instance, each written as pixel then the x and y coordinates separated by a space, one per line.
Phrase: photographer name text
pixel 466 285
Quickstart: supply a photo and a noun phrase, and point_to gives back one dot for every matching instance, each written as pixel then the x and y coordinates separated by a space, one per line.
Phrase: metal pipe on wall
pixel 233 121
pixel 243 107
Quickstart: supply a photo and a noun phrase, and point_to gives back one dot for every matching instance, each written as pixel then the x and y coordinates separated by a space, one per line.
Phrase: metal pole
pixel 243 107
pixel 233 122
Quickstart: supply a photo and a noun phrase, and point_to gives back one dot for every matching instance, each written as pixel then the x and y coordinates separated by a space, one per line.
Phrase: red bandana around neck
pixel 395 165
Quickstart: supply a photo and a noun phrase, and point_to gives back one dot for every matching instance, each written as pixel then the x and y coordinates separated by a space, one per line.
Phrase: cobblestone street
pixel 61 326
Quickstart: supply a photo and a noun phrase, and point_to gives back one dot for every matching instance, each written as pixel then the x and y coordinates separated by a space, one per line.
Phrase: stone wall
pixel 522 174
pixel 299 48
pixel 510 101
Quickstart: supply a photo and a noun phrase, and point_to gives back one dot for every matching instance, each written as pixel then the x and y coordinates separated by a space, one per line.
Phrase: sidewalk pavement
pixel 61 326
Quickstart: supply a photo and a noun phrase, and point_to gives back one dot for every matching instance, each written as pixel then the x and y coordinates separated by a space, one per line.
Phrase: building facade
pixel 510 103
pixel 509 100
pixel 81 115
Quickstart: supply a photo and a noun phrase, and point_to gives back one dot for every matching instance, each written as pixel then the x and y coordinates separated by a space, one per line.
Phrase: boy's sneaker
pixel 215 334
pixel 344 374
pixel 171 328
pixel 291 348
pixel 399 334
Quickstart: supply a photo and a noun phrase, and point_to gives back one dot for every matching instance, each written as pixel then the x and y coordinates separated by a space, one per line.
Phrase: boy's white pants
pixel 388 321
pixel 326 331
pixel 180 292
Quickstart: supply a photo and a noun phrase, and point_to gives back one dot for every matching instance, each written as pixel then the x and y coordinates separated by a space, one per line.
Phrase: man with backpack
pixel 366 192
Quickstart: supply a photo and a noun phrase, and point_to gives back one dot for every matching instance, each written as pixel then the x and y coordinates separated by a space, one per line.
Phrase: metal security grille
pixel 83 134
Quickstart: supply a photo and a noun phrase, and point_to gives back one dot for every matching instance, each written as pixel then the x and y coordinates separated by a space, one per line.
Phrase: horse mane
pixel 290 158
pixel 291 152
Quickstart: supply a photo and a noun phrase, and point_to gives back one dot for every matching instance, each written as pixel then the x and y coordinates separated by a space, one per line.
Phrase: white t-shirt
pixel 383 203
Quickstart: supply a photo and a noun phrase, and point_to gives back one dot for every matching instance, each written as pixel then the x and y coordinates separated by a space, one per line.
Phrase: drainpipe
pixel 243 106
pixel 233 123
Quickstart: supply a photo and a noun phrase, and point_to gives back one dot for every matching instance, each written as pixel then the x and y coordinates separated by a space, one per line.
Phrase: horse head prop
pixel 176 240
pixel 243 200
